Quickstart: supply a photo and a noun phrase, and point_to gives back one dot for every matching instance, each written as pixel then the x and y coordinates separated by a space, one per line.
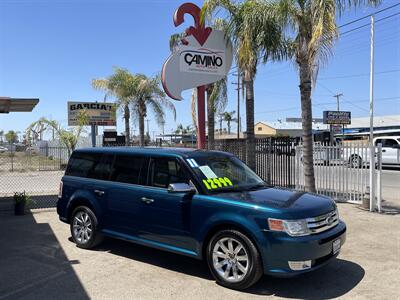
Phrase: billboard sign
pixel 99 113
pixel 337 117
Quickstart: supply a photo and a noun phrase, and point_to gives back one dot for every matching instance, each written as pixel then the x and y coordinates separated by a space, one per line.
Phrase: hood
pixel 284 203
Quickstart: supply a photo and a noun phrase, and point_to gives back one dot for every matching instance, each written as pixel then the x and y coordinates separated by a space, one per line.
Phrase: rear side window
pixel 81 164
pixel 90 165
pixel 127 169
pixel 164 171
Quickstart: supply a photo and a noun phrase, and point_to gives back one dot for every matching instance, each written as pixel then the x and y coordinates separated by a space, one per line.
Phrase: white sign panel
pixel 194 65
pixel 99 113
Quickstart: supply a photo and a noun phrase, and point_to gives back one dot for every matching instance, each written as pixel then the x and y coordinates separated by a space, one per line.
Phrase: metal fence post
pixel 379 178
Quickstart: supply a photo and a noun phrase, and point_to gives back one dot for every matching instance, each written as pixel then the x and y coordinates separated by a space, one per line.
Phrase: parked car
pixel 203 204
pixel 390 152
pixel 3 149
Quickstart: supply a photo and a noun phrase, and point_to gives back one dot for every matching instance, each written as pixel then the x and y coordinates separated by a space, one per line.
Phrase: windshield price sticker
pixel 206 170
pixel 215 183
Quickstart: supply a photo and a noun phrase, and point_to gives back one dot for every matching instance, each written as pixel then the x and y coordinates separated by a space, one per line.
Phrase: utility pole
pixel 371 122
pixel 337 96
pixel 238 102
pixel 148 126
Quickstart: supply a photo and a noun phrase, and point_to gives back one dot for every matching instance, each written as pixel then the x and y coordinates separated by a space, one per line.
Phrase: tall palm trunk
pixel 127 115
pixel 210 118
pixel 142 115
pixel 306 115
pixel 229 127
pixel 250 139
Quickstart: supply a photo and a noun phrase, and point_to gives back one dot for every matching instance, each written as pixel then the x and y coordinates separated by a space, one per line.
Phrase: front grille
pixel 323 223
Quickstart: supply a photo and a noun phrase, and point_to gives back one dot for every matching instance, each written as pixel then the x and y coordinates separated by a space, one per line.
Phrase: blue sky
pixel 52 49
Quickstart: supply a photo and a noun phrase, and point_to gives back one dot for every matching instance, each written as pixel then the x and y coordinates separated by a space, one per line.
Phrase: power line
pixel 358 75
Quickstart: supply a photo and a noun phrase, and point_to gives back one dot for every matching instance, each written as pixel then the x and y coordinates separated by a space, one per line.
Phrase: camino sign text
pixel 337 117
pixel 99 113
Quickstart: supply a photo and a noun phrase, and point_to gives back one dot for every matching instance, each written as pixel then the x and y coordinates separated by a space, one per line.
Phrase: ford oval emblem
pixel 329 220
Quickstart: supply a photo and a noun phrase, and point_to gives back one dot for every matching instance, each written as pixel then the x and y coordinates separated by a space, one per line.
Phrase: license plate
pixel 336 246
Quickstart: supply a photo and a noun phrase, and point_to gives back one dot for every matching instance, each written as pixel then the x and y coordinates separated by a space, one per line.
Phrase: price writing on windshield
pixel 216 183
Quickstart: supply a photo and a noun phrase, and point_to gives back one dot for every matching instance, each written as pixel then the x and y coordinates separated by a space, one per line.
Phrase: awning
pixel 8 104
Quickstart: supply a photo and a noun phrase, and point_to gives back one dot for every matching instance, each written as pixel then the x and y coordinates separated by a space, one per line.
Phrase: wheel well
pixel 78 202
pixel 220 227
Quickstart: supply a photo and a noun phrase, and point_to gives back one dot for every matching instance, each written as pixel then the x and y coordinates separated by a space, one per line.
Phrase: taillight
pixel 60 189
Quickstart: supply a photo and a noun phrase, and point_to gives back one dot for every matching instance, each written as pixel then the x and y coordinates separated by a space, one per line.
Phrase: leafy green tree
pixel 121 85
pixel 312 24
pixel 11 137
pixel 256 35
pixel 149 95
pixel 229 117
pixel 68 137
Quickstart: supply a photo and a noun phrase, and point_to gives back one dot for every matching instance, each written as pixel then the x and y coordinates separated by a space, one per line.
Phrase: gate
pixel 342 172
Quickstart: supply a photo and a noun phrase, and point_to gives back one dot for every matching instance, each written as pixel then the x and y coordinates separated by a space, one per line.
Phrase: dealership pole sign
pixel 99 113
pixel 337 117
pixel 204 57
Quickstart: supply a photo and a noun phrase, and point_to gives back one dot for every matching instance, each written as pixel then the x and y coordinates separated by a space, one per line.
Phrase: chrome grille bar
pixel 323 223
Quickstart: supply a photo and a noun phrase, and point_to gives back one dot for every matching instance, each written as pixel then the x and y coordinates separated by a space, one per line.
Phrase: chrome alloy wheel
pixel 230 259
pixel 82 227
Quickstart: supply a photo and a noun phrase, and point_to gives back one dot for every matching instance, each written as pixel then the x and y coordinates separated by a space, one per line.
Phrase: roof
pixel 8 104
pixel 379 121
pixel 292 125
pixel 183 152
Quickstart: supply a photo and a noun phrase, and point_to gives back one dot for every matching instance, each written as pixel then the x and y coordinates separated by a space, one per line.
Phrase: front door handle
pixel 99 192
pixel 147 200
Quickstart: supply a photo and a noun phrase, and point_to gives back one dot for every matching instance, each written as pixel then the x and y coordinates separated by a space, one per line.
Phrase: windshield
pixel 224 173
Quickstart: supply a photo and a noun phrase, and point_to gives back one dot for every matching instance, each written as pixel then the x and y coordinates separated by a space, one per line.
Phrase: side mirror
pixel 181 188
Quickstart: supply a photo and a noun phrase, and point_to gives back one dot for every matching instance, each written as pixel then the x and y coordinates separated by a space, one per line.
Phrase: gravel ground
pixel 38 261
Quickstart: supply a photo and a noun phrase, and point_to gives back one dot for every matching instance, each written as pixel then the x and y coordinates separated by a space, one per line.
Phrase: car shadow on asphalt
pixel 33 264
pixel 333 280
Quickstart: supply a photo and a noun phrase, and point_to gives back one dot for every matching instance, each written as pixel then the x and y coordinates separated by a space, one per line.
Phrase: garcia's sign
pixel 337 117
pixel 99 113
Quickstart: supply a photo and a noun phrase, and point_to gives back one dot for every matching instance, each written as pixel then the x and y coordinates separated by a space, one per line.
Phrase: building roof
pixel 8 104
pixel 292 125
pixel 379 121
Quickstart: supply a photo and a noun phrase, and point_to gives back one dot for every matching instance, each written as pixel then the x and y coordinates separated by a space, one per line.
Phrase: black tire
pixel 95 237
pixel 254 269
pixel 355 161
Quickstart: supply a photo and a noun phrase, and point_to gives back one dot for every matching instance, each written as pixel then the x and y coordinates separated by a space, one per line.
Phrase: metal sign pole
pixel 201 118
pixel 371 124
pixel 93 134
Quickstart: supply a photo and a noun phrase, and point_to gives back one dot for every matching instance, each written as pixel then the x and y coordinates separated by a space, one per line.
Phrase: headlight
pixel 291 227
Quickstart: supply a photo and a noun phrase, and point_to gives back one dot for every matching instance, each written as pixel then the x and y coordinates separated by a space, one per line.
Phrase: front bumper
pixel 281 248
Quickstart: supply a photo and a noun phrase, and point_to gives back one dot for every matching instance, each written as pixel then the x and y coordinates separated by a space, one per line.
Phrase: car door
pixel 389 152
pixel 123 201
pixel 165 216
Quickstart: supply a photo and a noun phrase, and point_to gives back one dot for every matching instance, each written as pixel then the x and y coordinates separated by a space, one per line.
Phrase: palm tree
pixel 1 135
pixel 149 94
pixel 229 117
pixel 314 29
pixel 35 130
pixel 255 34
pixel 121 85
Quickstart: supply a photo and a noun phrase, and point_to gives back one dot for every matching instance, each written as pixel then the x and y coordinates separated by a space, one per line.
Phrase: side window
pixel 164 171
pixel 81 164
pixel 389 143
pixel 102 169
pixel 127 169
pixel 378 141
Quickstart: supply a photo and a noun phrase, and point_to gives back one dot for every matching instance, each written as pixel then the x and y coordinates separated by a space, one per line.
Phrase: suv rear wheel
pixel 234 260
pixel 84 228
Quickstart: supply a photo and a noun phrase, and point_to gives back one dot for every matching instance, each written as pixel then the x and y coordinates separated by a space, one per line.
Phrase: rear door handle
pixel 99 192
pixel 147 200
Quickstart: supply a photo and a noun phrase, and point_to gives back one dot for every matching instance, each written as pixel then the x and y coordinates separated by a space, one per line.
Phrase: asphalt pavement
pixel 39 261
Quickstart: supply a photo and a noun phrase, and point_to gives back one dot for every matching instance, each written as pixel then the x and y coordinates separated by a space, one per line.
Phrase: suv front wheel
pixel 84 228
pixel 234 260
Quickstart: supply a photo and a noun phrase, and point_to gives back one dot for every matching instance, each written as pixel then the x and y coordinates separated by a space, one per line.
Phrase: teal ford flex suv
pixel 204 204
